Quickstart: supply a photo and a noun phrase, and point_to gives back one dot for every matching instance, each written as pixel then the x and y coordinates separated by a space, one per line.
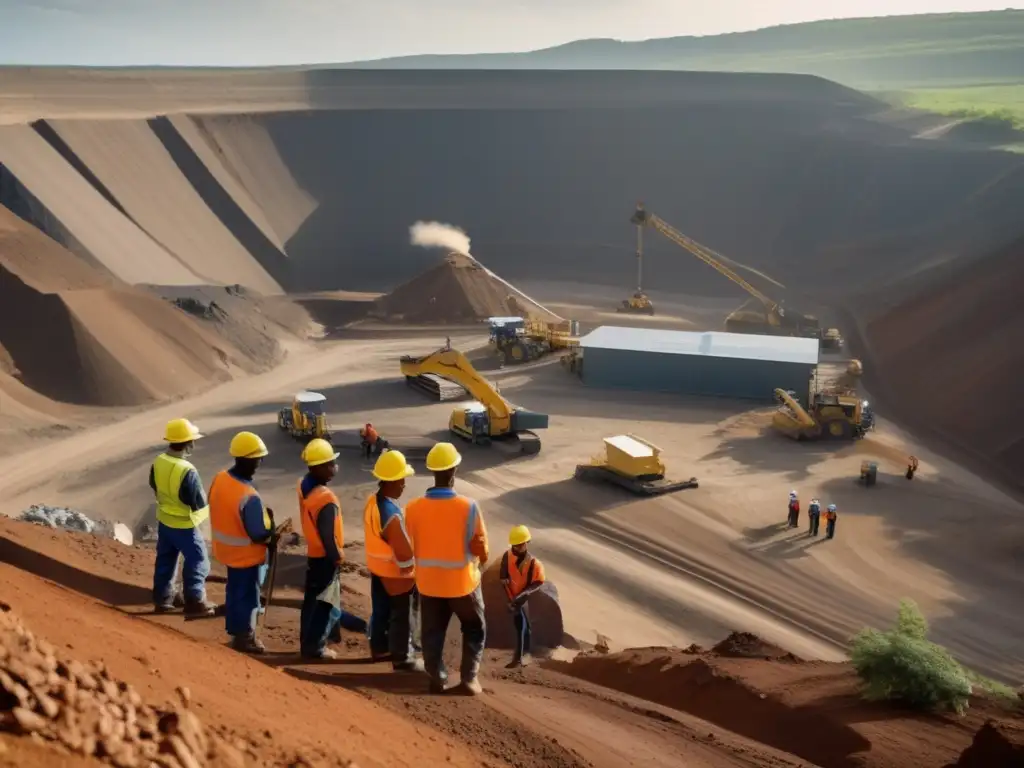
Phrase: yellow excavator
pixel 828 416
pixel 491 419
pixel 772 319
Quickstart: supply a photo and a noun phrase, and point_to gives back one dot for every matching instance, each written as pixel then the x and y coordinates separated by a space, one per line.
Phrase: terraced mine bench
pixel 436 387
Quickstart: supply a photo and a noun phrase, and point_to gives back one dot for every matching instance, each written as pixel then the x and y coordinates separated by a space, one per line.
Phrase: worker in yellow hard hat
pixel 181 507
pixel 449 542
pixel 243 530
pixel 521 574
pixel 389 558
pixel 320 512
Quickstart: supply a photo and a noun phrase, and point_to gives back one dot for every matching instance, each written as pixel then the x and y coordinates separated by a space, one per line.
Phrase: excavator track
pixel 529 443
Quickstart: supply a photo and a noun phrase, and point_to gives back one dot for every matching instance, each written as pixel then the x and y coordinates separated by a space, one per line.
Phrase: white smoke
pixel 434 234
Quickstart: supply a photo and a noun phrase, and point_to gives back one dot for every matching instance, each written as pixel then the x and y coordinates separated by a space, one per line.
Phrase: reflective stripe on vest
pixel 309 512
pixel 456 565
pixel 519 578
pixel 380 557
pixel 168 474
pixel 231 544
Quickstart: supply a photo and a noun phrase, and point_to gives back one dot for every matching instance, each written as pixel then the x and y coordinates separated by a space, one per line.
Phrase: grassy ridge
pixel 885 53
pixel 1003 103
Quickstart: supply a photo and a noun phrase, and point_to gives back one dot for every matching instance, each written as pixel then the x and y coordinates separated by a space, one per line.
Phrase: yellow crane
pixel 491 419
pixel 638 303
pixel 775 319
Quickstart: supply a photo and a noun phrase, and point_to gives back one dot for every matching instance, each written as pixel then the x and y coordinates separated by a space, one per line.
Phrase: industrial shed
pixel 738 365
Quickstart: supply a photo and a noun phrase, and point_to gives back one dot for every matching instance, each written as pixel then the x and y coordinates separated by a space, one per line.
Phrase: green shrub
pixel 903 665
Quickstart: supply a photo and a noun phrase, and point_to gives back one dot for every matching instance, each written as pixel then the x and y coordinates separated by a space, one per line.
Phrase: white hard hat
pixel 792 494
pixel 831 507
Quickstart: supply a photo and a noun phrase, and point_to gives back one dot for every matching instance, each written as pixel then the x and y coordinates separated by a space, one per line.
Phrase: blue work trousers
pixel 521 619
pixel 189 543
pixel 320 621
pixel 815 522
pixel 242 599
pixel 830 529
pixel 393 622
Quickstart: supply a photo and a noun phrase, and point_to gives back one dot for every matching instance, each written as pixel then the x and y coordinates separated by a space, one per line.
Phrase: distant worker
pixel 243 529
pixel 389 558
pixel 794 510
pixel 181 507
pixel 370 438
pixel 522 574
pixel 449 542
pixel 814 515
pixel 912 464
pixel 447 343
pixel 321 616
pixel 830 521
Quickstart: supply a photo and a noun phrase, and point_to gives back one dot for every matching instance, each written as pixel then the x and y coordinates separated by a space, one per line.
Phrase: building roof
pixel 744 346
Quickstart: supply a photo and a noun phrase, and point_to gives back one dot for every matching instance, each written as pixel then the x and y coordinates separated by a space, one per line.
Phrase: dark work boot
pixel 470 687
pixel 516 663
pixel 248 644
pixel 199 609
pixel 412 665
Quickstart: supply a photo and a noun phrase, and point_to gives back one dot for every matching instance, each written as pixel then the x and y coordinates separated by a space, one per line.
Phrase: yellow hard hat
pixel 392 465
pixel 519 535
pixel 181 431
pixel 248 445
pixel 443 456
pixel 317 452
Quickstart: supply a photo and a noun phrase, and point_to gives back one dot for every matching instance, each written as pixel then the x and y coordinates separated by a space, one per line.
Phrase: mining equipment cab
pixel 828 416
pixel 307 418
pixel 509 339
pixel 633 463
pixel 490 419
pixel 770 318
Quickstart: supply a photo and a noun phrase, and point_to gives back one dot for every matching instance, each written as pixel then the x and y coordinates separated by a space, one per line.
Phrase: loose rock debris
pixel 73 520
pixel 81 709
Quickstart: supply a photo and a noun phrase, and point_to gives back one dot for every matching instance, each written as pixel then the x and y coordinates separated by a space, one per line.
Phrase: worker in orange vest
pixel 242 531
pixel 320 512
pixel 522 574
pixel 390 561
pixel 370 437
pixel 449 542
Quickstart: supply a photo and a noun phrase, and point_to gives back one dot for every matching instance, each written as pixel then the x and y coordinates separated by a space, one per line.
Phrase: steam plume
pixel 434 234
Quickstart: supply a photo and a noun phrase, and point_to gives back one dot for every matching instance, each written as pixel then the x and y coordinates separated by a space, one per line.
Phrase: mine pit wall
pixel 221 203
pixel 55 354
pixel 804 191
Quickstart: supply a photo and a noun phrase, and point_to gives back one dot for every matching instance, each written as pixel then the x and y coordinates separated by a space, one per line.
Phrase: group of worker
pixel 424 561
pixel 813 516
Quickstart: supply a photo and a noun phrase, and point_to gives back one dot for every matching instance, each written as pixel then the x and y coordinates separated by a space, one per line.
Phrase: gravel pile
pixel 72 520
pixel 84 711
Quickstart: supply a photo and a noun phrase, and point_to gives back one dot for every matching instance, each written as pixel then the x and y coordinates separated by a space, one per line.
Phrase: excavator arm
pixel 454 366
pixel 643 218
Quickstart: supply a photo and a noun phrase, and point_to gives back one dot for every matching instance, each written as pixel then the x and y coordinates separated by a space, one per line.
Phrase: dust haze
pixel 435 234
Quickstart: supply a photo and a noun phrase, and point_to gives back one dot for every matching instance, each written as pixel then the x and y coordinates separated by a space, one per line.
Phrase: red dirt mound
pixel 967 333
pixel 745 645
pixel 457 290
pixel 994 744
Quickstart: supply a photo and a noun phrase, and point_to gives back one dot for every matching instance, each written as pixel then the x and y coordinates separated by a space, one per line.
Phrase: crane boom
pixel 644 218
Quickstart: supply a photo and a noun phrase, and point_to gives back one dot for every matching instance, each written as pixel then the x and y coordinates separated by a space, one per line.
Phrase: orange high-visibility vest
pixel 380 557
pixel 231 544
pixel 520 577
pixel 441 531
pixel 309 509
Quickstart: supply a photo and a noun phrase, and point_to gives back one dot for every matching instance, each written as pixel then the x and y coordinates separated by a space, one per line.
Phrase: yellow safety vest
pixel 168 472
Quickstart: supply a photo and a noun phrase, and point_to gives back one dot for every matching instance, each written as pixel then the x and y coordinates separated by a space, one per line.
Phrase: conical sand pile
pixel 457 290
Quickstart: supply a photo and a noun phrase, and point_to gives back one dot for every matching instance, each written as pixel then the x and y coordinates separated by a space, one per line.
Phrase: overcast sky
pixel 253 32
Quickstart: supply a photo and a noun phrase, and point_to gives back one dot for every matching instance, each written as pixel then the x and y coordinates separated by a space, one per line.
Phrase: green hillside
pixel 885 53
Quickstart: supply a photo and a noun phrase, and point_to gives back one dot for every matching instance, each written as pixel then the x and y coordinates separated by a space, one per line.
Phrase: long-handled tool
pixel 267 593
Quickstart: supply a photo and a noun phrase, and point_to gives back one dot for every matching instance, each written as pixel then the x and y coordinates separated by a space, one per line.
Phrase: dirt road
pixel 675 570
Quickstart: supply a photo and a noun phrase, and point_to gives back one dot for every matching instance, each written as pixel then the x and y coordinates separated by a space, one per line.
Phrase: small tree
pixel 903 665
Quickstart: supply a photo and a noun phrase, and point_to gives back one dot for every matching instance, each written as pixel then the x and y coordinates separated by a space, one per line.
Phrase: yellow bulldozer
pixel 828 416
pixel 633 463
pixel 307 417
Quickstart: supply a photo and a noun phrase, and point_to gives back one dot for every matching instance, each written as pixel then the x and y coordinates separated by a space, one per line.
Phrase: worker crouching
pixel 320 512
pixel 181 507
pixel 449 542
pixel 521 574
pixel 243 530
pixel 389 557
